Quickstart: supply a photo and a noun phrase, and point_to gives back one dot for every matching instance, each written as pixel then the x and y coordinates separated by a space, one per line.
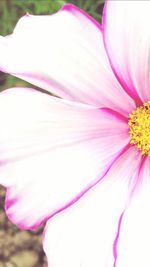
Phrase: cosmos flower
pixel 79 160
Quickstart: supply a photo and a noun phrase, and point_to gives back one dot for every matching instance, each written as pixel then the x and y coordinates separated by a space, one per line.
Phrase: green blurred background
pixel 24 248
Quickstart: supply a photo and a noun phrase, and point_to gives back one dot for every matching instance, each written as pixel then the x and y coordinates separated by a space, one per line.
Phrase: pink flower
pixel 81 148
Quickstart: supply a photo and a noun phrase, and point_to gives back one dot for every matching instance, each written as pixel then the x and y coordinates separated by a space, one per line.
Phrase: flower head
pixel 80 160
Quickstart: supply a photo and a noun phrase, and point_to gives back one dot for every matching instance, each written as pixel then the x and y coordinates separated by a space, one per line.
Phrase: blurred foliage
pixel 12 10
pixel 93 7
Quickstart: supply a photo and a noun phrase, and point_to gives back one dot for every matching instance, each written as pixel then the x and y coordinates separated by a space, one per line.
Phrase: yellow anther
pixel 139 124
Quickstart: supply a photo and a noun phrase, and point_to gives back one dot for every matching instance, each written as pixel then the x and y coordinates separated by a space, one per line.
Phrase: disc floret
pixel 139 125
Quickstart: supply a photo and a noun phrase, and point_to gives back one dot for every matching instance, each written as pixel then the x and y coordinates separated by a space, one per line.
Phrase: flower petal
pixel 134 240
pixel 52 151
pixel 127 40
pixel 84 234
pixel 64 54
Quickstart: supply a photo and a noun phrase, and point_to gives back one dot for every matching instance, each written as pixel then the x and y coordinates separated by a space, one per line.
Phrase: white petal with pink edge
pixel 134 239
pixel 84 234
pixel 52 151
pixel 127 40
pixel 64 54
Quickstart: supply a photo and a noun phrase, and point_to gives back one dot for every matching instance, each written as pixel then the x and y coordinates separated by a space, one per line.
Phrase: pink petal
pixel 134 240
pixel 127 40
pixel 84 234
pixel 52 151
pixel 64 54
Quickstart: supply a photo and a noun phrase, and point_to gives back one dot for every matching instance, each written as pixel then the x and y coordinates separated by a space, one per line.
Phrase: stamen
pixel 139 124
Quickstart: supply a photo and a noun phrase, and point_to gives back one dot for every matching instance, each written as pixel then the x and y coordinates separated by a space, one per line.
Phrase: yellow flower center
pixel 139 124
